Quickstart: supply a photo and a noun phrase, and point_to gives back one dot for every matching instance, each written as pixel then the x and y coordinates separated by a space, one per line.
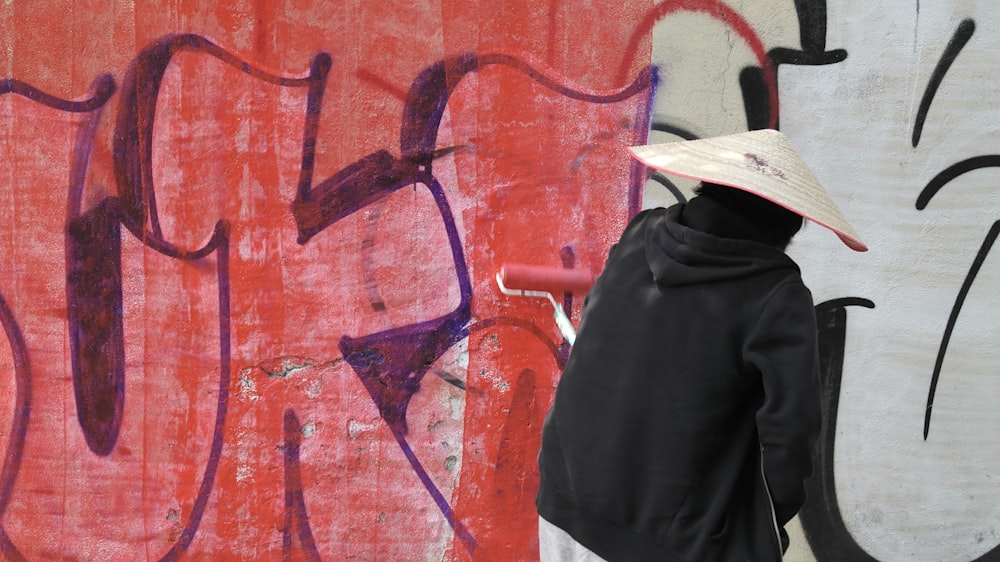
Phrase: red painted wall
pixel 249 255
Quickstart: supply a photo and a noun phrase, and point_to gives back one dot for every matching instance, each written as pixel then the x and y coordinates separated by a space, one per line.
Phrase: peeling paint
pixel 286 366
pixel 457 404
pixel 462 356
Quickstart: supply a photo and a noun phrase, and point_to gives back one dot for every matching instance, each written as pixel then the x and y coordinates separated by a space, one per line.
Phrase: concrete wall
pixel 249 250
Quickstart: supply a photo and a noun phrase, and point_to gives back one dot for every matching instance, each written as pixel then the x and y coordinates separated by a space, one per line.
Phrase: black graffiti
pixel 821 520
pixel 952 172
pixel 820 517
pixel 926 194
pixel 958 41
pixel 812 37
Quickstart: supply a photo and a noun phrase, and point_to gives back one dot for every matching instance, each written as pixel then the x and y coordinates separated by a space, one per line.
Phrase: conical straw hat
pixel 763 162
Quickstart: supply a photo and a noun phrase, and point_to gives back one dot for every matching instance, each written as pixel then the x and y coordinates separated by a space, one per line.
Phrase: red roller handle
pixel 556 280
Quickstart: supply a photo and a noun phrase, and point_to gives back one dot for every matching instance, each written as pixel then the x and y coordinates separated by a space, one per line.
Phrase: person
pixel 684 423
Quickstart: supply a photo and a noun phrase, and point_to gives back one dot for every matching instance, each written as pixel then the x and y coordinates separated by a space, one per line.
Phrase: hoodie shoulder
pixel 634 230
pixel 677 254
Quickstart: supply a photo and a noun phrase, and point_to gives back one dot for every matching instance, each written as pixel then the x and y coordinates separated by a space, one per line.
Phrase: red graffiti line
pixel 725 14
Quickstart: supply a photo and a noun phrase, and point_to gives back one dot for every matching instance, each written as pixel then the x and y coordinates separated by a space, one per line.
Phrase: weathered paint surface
pixel 247 287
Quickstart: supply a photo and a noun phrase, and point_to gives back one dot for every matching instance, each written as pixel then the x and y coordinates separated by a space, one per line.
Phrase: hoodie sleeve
pixel 782 346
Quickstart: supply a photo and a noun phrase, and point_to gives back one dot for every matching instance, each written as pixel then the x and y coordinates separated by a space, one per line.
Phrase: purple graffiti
pixel 296 525
pixel 389 364
pixel 392 363
pixel 98 430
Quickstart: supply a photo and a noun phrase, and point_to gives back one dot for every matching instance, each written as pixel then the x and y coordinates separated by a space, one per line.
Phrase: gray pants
pixel 555 545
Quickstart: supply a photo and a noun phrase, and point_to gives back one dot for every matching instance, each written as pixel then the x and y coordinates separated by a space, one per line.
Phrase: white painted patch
pixel 497 381
pixel 308 429
pixel 244 473
pixel 247 386
pixel 903 497
pixel 355 427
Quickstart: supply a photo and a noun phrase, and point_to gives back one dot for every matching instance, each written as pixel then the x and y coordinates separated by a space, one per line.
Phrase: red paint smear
pixel 535 181
pixel 540 173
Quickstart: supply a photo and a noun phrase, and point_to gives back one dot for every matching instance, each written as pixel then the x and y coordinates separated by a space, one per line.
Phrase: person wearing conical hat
pixel 684 423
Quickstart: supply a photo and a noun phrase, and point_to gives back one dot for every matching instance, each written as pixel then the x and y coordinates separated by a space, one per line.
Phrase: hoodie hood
pixel 680 251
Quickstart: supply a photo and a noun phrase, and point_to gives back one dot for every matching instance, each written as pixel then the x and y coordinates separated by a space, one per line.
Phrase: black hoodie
pixel 683 425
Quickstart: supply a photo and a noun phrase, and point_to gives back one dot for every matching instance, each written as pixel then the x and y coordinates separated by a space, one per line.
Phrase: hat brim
pixel 762 162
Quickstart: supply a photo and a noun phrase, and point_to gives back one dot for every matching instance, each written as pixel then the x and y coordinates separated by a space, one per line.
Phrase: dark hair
pixel 776 224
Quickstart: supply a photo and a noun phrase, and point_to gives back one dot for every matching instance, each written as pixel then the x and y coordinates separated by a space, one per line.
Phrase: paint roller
pixel 524 280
